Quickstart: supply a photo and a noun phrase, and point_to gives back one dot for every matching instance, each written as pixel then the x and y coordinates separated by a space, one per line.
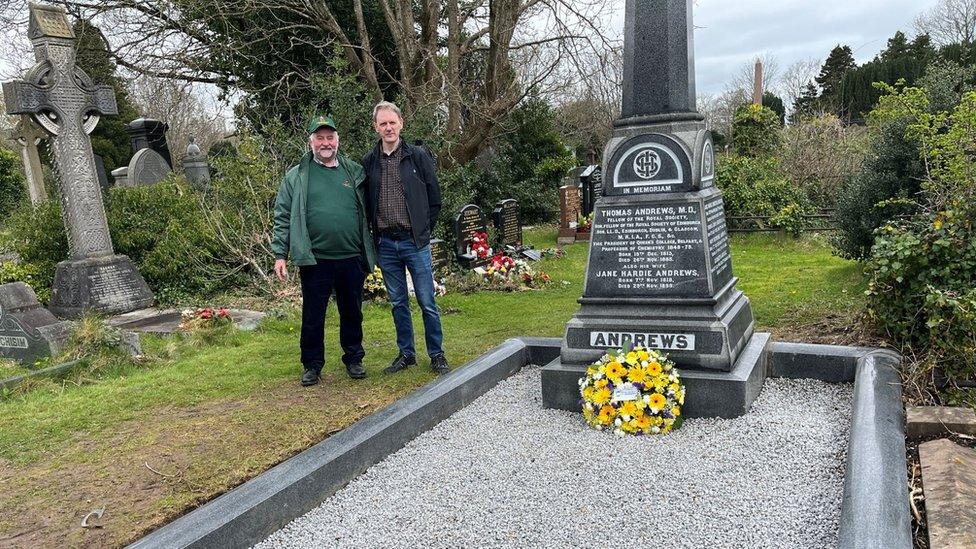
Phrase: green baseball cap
pixel 321 121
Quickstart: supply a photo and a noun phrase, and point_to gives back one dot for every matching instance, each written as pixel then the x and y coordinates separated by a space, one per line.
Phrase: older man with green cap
pixel 320 225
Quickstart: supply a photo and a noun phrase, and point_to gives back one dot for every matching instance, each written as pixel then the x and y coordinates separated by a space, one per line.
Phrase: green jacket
pixel 290 236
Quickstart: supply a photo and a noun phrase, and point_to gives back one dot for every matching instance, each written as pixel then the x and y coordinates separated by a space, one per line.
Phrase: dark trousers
pixel 346 277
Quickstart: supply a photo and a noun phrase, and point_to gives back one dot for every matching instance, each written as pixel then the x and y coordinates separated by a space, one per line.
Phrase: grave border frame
pixel 874 510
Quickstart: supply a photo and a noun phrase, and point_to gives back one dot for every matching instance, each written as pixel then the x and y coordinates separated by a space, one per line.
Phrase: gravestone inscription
pixel 468 222
pixel 508 223
pixel 28 331
pixel 67 104
pixel 438 254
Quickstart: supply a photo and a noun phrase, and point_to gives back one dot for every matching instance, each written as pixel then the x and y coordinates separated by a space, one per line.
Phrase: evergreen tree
pixel 838 63
pixel 109 140
pixel 897 47
pixel 806 103
pixel 774 103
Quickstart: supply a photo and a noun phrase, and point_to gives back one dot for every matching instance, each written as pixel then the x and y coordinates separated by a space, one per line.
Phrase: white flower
pixel 597 375
pixel 589 406
pixel 655 430
pixel 617 422
pixel 647 399
pixel 618 432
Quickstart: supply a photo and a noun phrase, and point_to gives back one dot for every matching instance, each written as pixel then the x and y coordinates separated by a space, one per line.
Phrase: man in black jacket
pixel 403 199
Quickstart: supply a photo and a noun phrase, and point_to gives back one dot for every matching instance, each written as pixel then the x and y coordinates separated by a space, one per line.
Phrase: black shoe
pixel 310 377
pixel 356 371
pixel 400 363
pixel 439 365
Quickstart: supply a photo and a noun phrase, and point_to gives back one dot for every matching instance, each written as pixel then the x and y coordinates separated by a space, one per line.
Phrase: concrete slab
pixel 932 421
pixel 167 321
pixel 708 393
pixel 949 480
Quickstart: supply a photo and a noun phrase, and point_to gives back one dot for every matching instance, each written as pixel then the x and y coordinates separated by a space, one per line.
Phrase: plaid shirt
pixel 392 208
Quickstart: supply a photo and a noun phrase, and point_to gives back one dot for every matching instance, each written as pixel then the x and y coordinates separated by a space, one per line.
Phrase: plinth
pixel 105 285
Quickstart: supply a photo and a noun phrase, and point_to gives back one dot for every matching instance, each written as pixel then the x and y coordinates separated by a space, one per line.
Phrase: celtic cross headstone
pixel 62 99
pixel 659 272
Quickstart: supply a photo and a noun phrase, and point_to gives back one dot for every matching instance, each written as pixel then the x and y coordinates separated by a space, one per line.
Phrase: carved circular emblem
pixel 647 163
pixel 707 160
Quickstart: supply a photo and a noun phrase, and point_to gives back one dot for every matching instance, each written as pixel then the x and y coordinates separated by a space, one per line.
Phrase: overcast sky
pixel 731 33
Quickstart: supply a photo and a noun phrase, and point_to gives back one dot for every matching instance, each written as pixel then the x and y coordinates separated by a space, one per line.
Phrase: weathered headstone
pixel 468 222
pixel 508 223
pixel 438 254
pixel 569 212
pixel 146 133
pixel 147 167
pixel 659 272
pixel 28 135
pixel 103 181
pixel 28 331
pixel 195 167
pixel 120 176
pixel 65 102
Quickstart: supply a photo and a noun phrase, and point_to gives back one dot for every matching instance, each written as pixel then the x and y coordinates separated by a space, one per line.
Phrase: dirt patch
pixel 829 329
pixel 149 471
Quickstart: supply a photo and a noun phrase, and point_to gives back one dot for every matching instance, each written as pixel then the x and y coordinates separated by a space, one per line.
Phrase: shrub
pixel 755 131
pixel 13 187
pixel 821 154
pixel 29 274
pixel 38 237
pixel 758 187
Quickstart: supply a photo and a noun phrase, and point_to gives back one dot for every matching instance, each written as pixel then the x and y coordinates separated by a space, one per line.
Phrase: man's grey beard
pixel 319 153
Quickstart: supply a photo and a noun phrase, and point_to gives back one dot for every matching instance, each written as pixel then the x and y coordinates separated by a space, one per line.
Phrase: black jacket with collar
pixel 420 189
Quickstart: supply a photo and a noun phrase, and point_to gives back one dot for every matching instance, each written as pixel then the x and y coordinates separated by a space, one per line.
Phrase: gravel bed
pixel 503 472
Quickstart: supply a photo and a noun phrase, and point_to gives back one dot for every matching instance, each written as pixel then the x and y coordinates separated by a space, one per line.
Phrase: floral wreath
pixel 634 392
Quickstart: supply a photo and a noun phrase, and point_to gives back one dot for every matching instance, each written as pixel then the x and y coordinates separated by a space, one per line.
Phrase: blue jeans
pixel 395 257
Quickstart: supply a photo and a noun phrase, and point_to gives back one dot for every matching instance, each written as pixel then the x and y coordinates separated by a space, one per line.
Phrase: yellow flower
pixel 643 355
pixel 601 396
pixel 588 393
pixel 643 423
pixel 658 401
pixel 601 383
pixel 607 413
pixel 674 388
pixel 676 411
pixel 632 358
pixel 654 368
pixel 637 374
pixel 616 371
pixel 628 409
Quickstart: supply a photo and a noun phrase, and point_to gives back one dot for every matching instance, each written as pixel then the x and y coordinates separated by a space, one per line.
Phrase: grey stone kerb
pixel 65 102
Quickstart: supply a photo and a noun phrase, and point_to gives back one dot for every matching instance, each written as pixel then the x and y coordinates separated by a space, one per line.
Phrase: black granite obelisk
pixel 659 272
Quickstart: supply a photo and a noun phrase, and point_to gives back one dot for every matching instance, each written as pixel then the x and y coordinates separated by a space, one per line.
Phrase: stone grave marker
pixel 469 221
pixel 29 135
pixel 146 133
pixel 147 167
pixel 438 254
pixel 508 223
pixel 196 167
pixel 569 211
pixel 28 331
pixel 64 101
pixel 591 185
pixel 103 181
pixel 659 272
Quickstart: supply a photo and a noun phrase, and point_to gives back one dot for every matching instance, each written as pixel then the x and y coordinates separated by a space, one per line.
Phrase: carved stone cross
pixel 63 100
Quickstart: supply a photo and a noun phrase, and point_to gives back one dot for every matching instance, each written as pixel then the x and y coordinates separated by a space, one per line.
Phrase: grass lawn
pixel 151 442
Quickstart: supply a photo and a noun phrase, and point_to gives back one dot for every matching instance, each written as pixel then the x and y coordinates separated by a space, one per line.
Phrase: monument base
pixel 104 285
pixel 708 393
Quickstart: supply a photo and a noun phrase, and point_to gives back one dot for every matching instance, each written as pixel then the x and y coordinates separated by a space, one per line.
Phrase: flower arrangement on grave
pixel 479 245
pixel 584 223
pixel 508 273
pixel 373 287
pixel 633 392
pixel 206 317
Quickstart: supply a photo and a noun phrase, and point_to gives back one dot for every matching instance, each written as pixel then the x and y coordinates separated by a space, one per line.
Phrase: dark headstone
pixel 591 185
pixel 659 272
pixel 109 285
pixel 659 58
pixel 438 253
pixel 102 175
pixel 28 331
pixel 469 221
pixel 569 212
pixel 508 223
pixel 146 133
